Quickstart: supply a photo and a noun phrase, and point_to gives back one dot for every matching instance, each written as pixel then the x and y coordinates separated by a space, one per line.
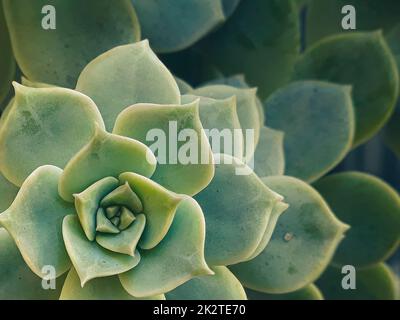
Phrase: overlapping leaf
pixel 58 56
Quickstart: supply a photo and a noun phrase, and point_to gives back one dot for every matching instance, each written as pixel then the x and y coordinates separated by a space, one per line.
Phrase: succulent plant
pixel 89 188
pixel 111 210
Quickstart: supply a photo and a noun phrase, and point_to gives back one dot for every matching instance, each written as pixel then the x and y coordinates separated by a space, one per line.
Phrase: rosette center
pixel 118 210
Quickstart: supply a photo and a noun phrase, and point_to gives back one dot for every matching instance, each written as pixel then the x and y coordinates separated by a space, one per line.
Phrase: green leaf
pixel 183 22
pixel 178 258
pixel 87 203
pixel 108 288
pixel 184 87
pixel 247 110
pixel 220 119
pixel 185 162
pixel 276 212
pixel 127 217
pixel 106 155
pixel 269 157
pixel 301 246
pixel 38 131
pixel 34 221
pixel 90 259
pixel 374 283
pixel 123 196
pixel 310 292
pixel 6 112
pixel 35 84
pixel 348 59
pixel 301 3
pixel 159 206
pixel 7 63
pixel 318 121
pixel 221 286
pixel 229 6
pixel 103 224
pixel 17 281
pixel 370 15
pixel 261 39
pixel 126 241
pixel 392 38
pixel 8 191
pixel 124 76
pixel 237 200
pixel 392 133
pixel 372 209
pixel 239 81
pixel 61 54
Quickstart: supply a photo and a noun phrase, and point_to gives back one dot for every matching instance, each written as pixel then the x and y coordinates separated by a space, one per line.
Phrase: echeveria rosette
pixel 111 226
pixel 98 202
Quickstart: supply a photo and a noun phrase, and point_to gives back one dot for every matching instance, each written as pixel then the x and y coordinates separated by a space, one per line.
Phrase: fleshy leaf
pixel 7 63
pixel 35 84
pixel 220 118
pixel 61 54
pixel 374 283
pixel 392 133
pixel 178 258
pixel 318 121
pixel 347 59
pixel 4 113
pixel 261 39
pixel 183 22
pixel 127 217
pixel 242 204
pixel 392 38
pixel 35 131
pixel 229 6
pixel 105 155
pixel 223 285
pixel 17 281
pixel 247 110
pixel 310 292
pixel 307 229
pixel 123 196
pixel 159 207
pixel 278 209
pixel 103 224
pixel 177 137
pixel 87 203
pixel 126 241
pixel 371 15
pixel 108 288
pixel 34 221
pixel 111 212
pixel 8 191
pixel 89 259
pixel 269 157
pixel 184 87
pixel 124 76
pixel 239 81
pixel 372 209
